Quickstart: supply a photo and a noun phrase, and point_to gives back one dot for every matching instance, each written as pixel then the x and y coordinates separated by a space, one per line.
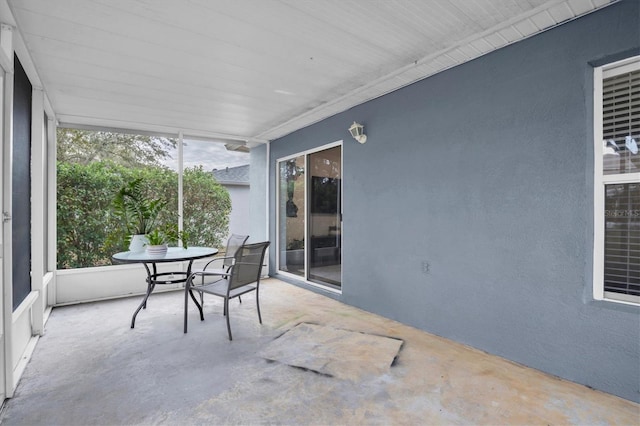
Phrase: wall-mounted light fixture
pixel 357 131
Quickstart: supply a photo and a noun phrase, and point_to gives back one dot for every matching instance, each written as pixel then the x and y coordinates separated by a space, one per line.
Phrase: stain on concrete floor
pixel 343 354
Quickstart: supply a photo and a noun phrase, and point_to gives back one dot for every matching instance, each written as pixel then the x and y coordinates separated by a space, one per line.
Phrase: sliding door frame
pixel 306 154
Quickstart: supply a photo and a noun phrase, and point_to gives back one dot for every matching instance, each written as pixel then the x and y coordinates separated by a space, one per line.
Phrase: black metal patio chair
pixel 234 242
pixel 220 265
pixel 242 277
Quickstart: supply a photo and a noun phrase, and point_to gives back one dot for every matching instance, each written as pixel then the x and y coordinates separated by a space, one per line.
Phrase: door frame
pixel 7 233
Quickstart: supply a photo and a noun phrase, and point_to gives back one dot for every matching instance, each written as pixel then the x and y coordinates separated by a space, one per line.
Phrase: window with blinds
pixel 621 123
pixel 619 180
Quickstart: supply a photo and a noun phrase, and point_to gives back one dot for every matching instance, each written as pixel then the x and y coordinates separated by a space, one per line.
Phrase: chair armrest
pixel 216 259
pixel 189 283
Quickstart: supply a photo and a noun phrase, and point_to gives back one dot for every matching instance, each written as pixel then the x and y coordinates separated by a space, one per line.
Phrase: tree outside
pixel 85 147
pixel 93 166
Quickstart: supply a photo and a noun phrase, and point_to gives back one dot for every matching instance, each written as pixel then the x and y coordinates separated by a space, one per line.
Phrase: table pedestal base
pixel 154 278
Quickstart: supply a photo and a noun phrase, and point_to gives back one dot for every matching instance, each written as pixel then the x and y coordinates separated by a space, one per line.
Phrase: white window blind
pixel 621 123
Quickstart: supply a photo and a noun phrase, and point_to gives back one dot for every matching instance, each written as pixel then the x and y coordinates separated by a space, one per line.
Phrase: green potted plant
pixel 156 243
pixel 138 212
pixel 158 240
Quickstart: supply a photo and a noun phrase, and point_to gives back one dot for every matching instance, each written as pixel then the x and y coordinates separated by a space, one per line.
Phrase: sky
pixel 210 155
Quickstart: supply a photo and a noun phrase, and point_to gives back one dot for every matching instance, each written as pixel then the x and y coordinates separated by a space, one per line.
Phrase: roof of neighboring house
pixel 232 175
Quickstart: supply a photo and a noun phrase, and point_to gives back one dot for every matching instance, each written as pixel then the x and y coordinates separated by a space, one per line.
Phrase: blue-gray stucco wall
pixel 485 172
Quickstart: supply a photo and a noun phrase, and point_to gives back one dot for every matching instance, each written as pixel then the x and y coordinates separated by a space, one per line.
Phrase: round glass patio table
pixel 150 261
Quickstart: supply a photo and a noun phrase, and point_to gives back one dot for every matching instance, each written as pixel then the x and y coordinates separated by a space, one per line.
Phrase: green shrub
pixel 88 230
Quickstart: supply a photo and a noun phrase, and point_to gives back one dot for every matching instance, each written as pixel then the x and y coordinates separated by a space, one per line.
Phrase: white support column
pixel 51 208
pixel 38 208
pixel 7 290
pixel 268 196
pixel 180 172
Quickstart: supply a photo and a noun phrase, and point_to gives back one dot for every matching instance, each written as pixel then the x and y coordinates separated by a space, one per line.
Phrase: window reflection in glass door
pixel 291 218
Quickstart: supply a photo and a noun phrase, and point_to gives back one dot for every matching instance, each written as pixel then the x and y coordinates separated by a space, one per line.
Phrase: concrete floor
pixel 91 368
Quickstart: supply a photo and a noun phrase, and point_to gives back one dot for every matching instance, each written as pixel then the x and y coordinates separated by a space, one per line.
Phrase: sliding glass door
pixel 310 216
pixel 324 189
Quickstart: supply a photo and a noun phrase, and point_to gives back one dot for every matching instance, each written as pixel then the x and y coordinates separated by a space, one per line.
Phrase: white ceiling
pixel 255 70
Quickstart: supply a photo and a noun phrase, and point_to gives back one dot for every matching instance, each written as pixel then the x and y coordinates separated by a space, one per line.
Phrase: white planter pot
pixel 138 243
pixel 160 250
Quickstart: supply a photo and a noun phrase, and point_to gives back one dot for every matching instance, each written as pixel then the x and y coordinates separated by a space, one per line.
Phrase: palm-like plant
pixel 138 212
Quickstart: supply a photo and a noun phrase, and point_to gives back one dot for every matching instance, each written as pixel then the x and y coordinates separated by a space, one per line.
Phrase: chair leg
pixel 202 294
pixel 226 309
pixel 258 305
pixel 186 306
